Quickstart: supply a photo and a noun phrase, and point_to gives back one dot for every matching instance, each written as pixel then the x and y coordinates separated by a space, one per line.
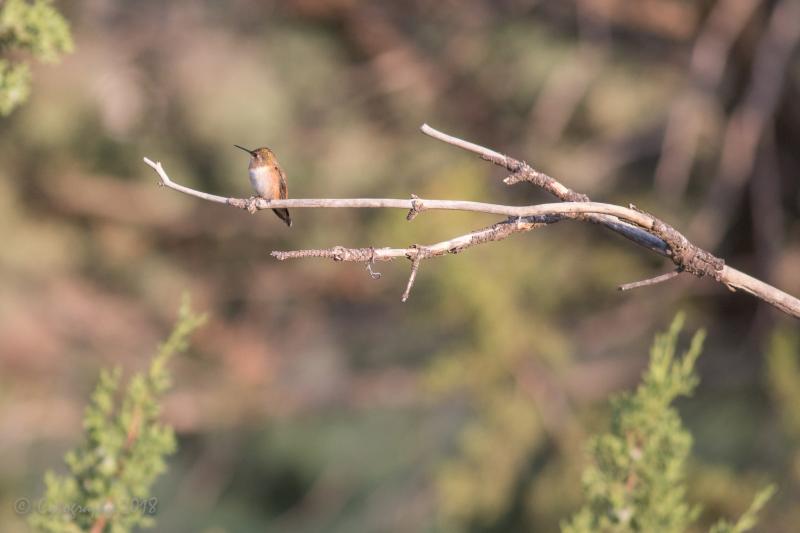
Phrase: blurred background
pixel 313 400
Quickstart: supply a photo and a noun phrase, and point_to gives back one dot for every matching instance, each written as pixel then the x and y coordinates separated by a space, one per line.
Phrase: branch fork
pixel 416 254
pixel 416 208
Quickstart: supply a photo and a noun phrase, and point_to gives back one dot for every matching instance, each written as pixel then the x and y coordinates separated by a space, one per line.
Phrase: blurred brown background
pixel 314 400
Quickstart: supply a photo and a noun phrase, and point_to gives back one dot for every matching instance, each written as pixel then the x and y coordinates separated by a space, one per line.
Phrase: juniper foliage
pixel 636 478
pixel 111 473
pixel 784 378
pixel 37 28
pixel 749 519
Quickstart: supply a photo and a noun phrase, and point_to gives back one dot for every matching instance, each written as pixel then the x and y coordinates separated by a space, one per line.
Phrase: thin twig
pixel 166 182
pixel 649 281
pixel 522 171
pixel 564 209
pixel 417 259
pixel 495 232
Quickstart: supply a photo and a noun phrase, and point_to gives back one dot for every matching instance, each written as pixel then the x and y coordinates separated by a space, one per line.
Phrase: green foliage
pixel 123 453
pixel 783 366
pixel 635 481
pixel 500 339
pixel 35 27
pixel 783 374
pixel 748 519
pixel 475 486
pixel 15 81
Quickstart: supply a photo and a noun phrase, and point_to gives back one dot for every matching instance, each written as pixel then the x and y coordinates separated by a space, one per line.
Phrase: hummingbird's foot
pixel 251 204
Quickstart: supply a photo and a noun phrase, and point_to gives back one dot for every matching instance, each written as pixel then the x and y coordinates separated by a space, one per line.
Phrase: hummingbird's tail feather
pixel 283 214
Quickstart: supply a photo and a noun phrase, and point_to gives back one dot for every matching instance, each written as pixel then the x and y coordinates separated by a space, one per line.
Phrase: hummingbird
pixel 268 178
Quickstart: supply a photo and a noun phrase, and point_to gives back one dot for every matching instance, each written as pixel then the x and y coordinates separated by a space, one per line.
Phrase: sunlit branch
pixel 630 222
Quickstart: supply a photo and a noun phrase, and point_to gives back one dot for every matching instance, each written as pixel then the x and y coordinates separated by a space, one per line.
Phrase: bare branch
pixel 650 281
pixel 732 278
pixel 495 232
pixel 417 259
pixel 166 182
pixel 565 210
pixel 636 225
pixel 521 171
pixel 736 279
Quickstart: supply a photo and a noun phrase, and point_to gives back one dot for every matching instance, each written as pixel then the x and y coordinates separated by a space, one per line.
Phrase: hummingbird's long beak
pixel 251 152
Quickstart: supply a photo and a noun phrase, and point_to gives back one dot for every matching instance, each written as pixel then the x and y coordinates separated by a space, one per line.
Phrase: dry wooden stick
pixel 634 224
pixel 669 243
pixel 416 253
pixel 650 281
pixel 565 210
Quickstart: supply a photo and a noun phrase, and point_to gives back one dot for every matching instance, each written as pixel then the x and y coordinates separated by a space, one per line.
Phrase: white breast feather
pixel 258 179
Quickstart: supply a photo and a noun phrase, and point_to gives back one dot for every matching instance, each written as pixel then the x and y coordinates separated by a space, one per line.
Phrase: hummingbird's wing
pixel 283 187
pixel 283 194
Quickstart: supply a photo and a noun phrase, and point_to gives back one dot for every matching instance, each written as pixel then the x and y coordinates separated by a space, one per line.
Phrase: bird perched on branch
pixel 268 178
